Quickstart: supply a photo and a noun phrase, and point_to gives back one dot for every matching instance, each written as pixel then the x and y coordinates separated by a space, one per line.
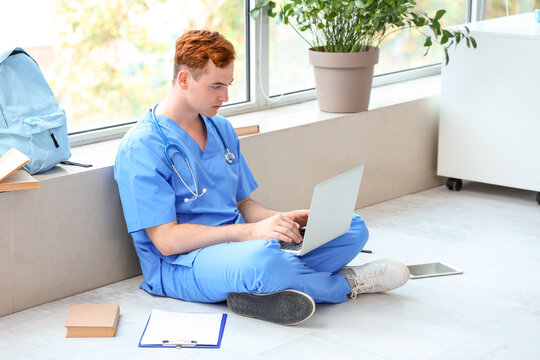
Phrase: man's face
pixel 211 89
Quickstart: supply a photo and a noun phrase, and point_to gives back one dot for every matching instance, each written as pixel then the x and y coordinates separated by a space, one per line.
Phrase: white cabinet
pixel 489 127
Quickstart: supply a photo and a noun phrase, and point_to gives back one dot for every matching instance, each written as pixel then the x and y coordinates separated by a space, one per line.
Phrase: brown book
pixel 247 130
pixel 10 177
pixel 19 180
pixel 92 320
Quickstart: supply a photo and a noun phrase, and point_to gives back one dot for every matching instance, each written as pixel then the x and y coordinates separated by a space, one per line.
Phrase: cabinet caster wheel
pixel 538 198
pixel 454 184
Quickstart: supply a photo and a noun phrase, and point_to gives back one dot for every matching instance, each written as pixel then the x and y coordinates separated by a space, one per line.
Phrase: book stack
pixel 10 177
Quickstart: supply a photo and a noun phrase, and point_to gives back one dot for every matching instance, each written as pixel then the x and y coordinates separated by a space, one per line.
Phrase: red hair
pixel 195 47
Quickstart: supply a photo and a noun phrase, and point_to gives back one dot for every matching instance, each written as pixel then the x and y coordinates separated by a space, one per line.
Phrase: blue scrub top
pixel 152 194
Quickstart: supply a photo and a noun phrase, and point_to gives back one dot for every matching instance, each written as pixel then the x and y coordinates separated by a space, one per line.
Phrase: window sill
pixel 308 112
pixel 102 154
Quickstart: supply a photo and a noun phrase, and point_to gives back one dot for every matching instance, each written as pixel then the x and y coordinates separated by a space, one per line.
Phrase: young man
pixel 185 189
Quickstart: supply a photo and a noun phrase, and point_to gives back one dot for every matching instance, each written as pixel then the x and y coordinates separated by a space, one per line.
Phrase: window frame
pixel 257 76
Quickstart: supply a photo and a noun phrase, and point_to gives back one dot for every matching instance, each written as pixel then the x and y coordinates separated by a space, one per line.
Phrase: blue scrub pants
pixel 262 267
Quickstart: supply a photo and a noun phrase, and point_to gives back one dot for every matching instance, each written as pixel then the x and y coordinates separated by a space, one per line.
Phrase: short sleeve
pixel 147 197
pixel 246 181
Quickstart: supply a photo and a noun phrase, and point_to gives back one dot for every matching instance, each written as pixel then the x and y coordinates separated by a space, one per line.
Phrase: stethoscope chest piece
pixel 229 156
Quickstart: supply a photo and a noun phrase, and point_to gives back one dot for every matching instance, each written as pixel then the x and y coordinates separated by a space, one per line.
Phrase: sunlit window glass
pixel 289 65
pixel 498 8
pixel 109 60
pixel 404 49
pixel 289 68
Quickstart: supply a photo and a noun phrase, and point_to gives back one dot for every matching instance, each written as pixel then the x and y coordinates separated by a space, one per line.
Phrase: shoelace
pixel 367 281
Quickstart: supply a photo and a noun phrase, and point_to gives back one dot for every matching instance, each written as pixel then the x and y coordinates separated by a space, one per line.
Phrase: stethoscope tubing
pixel 229 156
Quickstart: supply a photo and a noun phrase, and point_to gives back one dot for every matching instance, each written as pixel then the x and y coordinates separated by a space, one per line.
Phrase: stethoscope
pixel 229 156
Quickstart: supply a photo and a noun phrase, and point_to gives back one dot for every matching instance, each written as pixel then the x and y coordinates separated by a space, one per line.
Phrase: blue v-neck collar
pixel 176 134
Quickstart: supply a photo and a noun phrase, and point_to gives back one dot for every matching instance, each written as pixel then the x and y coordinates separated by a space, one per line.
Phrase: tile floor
pixel 491 311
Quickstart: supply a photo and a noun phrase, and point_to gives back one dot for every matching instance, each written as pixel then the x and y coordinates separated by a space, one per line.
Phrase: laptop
pixel 331 211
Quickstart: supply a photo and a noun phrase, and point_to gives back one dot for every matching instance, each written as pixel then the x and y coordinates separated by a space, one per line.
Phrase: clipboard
pixel 183 330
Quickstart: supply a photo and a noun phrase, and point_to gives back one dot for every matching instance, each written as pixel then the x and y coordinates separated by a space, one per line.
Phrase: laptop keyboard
pixel 292 245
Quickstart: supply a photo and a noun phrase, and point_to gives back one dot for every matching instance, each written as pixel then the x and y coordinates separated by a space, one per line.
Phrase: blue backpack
pixel 30 118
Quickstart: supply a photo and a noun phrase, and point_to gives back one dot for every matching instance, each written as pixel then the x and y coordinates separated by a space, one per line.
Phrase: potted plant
pixel 346 35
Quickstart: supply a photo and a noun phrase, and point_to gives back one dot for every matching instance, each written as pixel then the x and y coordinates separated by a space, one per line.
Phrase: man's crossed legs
pixel 260 280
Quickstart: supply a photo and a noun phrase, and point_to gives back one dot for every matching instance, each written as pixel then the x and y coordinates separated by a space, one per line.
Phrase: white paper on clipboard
pixel 202 328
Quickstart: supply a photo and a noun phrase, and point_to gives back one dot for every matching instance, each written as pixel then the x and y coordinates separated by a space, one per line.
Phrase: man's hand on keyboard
pixel 280 227
pixel 298 216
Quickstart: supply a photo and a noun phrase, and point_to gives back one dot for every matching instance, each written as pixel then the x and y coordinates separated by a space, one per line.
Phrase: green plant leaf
pixel 446 35
pixel 271 12
pixel 359 4
pixel 428 42
pixel 255 13
pixel 444 39
pixel 439 14
pixel 435 27
pixel 473 41
pixel 421 22
pixel 280 16
pixel 349 9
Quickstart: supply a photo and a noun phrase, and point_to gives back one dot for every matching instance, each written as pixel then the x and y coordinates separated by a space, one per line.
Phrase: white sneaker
pixel 377 276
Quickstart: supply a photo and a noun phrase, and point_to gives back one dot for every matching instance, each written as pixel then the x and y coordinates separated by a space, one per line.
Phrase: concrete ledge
pixel 69 236
pixel 65 238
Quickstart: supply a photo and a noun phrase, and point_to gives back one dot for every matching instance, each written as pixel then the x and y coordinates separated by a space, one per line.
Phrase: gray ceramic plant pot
pixel 343 80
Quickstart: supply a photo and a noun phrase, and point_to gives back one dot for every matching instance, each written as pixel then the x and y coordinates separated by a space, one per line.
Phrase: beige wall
pixel 397 144
pixel 6 274
pixel 70 236
pixel 65 238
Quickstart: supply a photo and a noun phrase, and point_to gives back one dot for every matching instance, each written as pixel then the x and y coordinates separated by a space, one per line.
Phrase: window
pixel 289 68
pixel 404 50
pixel 109 60
pixel 288 59
pixel 497 8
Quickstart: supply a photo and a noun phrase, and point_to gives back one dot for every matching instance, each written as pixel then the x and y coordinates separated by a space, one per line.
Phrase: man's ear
pixel 182 79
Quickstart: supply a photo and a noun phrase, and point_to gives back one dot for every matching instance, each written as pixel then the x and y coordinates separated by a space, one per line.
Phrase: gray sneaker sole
pixel 287 307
